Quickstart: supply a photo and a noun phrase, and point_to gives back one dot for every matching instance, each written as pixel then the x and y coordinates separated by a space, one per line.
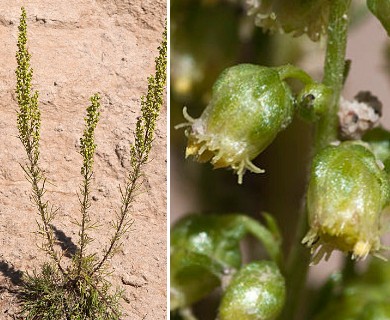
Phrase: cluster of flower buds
pixel 349 185
pixel 348 188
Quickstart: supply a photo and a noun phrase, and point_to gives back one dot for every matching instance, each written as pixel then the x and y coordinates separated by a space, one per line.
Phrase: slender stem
pixel 38 192
pixel 139 153
pixel 28 123
pixel 122 223
pixel 334 70
pixel 269 241
pixel 297 267
pixel 326 132
pixel 85 204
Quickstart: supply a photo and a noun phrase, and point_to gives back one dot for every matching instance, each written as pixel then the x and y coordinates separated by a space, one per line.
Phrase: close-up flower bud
pixel 313 100
pixel 348 189
pixel 256 292
pixel 250 104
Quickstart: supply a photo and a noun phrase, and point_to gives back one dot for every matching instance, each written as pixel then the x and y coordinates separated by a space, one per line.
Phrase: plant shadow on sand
pixel 68 247
pixel 10 273
pixel 15 276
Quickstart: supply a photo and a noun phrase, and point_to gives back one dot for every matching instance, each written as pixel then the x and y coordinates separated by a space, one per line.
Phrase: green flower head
pixel 250 104
pixel 348 189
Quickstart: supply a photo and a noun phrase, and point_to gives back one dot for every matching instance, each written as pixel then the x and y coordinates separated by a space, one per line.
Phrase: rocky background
pixel 80 47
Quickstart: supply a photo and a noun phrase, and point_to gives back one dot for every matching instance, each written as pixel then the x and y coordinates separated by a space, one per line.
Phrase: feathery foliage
pixel 50 295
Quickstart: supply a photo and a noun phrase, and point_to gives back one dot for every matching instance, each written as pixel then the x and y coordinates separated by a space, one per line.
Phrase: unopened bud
pixel 313 101
pixel 256 292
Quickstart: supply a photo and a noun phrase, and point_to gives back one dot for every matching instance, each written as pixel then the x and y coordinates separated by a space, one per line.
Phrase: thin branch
pixel 139 151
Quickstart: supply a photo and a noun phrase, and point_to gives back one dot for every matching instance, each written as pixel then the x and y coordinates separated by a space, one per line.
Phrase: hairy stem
pixel 326 132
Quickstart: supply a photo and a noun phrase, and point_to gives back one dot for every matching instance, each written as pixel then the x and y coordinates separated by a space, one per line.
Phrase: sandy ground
pixel 80 47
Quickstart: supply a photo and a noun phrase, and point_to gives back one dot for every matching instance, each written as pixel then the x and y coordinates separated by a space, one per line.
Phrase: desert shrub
pixel 79 289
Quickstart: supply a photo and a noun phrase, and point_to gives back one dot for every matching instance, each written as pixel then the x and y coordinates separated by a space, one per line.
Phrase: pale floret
pixel 221 151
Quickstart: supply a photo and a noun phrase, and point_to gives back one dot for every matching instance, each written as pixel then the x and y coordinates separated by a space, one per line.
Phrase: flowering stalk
pixel 29 123
pixel 334 71
pixel 87 150
pixel 139 152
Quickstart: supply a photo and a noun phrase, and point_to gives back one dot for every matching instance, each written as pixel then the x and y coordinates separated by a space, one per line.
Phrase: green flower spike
pixel 348 189
pixel 250 104
pixel 256 292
